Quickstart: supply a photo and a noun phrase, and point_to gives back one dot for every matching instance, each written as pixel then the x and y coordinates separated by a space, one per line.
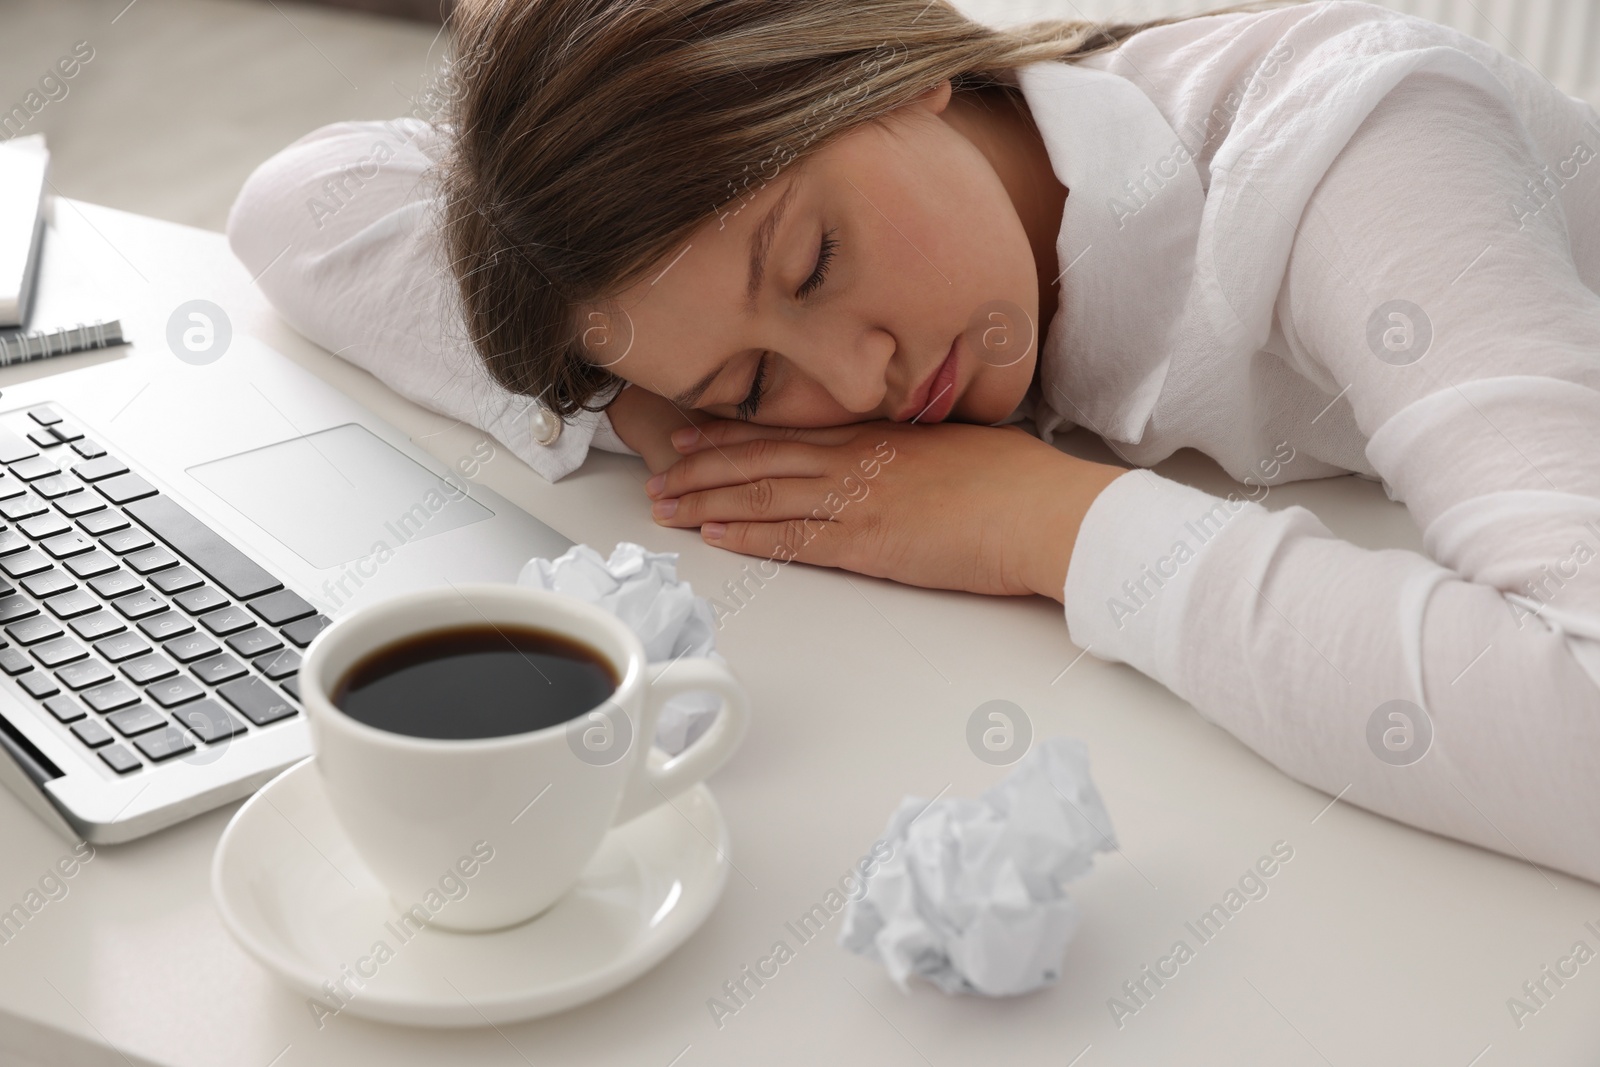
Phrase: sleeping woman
pixel 759 243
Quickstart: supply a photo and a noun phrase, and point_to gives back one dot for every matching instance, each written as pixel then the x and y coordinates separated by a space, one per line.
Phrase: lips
pixel 935 397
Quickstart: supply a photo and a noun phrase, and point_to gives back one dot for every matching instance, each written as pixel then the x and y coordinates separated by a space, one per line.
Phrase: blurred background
pixel 181 99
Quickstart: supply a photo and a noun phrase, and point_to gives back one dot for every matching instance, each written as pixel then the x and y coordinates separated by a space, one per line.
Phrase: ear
pixel 937 97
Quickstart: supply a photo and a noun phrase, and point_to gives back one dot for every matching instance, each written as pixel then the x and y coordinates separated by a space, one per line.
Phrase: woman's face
pixel 872 259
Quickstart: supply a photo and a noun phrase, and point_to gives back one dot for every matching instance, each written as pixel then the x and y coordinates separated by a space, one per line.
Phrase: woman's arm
pixel 339 229
pixel 1296 641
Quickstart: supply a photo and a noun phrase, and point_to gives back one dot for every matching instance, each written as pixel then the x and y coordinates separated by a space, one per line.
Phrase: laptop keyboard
pixel 134 624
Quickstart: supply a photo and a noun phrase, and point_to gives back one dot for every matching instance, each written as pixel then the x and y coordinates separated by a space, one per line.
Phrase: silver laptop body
pixel 173 536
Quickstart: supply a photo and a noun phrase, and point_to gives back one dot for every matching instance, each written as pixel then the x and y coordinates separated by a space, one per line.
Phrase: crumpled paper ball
pixel 971 898
pixel 642 589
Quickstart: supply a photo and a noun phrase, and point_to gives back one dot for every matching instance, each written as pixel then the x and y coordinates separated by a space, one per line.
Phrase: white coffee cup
pixel 419 810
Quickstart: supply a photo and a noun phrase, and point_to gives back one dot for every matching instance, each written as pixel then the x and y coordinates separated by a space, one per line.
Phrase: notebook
pixel 23 163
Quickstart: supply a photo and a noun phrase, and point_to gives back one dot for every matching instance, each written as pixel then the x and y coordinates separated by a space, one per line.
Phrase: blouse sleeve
pixel 340 229
pixel 1455 690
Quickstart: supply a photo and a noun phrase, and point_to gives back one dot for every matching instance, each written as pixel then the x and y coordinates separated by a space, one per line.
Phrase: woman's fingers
pixel 721 433
pixel 764 499
pixel 732 464
pixel 808 540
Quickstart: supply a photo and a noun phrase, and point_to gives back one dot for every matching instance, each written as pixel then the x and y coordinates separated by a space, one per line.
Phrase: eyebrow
pixel 760 246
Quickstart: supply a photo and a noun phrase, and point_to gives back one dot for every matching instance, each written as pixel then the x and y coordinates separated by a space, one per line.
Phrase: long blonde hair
pixel 590 137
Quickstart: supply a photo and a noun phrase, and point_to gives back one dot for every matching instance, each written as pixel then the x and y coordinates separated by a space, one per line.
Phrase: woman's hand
pixel 946 506
pixel 645 422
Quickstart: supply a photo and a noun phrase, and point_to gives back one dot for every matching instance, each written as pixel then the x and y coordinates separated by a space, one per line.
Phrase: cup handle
pixel 656 781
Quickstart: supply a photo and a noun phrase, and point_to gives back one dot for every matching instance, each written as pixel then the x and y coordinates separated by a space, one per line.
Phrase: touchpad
pixel 340 494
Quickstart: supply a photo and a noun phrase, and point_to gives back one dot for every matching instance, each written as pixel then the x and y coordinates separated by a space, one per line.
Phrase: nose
pixel 852 364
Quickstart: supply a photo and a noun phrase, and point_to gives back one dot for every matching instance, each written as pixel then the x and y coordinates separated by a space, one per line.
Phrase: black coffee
pixel 475 681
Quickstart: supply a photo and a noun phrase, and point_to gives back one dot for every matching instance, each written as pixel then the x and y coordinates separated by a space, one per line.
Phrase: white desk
pixel 1377 944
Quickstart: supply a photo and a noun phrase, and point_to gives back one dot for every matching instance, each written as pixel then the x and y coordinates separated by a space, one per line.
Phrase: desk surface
pixel 1376 944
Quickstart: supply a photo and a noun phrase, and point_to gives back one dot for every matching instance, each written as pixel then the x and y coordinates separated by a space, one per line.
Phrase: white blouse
pixel 1326 239
pixel 1312 241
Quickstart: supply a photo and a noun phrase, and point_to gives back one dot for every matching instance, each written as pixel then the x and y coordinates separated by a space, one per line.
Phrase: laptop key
pixel 254 642
pixel 52 486
pixel 168 624
pixel 13 606
pixel 237 574
pixel 90 564
pixel 44 525
pixel 164 744
pixel 49 583
pixel 136 720
pixel 88 449
pixel 121 647
pixel 148 668
pixel 123 488
pixel 92 732
pixel 110 696
pixel 301 631
pixel 20 507
pixel 13 662
pixel 175 580
pixel 11 487
pixel 201 599
pixel 61 650
pixel 217 669
pixel 138 605
pixel 11 540
pixel 67 544
pixel 73 603
pixel 149 559
pixel 83 673
pixel 120 759
pixel 257 701
pixel 66 432
pixel 292 686
pixel 38 685
pixel 104 467
pixel 103 521
pixel 43 437
pixel 190 647
pixel 174 691
pixel 38 628
pixel 14 448
pixel 115 584
pixel 34 467
pixel 64 708
pixel 44 415
pixel 227 620
pixel 209 721
pixel 96 625
pixel 283 606
pixel 79 503
pixel 21 564
pixel 280 664
pixel 127 540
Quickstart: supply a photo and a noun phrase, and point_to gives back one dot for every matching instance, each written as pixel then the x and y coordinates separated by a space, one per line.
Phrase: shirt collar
pixel 1126 248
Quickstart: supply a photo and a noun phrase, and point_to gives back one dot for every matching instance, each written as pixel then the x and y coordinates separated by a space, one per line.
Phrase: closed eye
pixel 824 257
pixel 752 402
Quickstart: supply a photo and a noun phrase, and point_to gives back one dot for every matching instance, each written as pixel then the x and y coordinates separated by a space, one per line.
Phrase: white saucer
pixel 293 892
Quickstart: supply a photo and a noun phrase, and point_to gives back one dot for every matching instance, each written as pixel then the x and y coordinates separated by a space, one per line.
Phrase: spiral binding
pixel 25 345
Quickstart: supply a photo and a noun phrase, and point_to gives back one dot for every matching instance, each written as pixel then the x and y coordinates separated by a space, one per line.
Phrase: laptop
pixel 172 537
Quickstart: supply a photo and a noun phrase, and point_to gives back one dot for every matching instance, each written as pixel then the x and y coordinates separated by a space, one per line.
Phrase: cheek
pixel 803 402
pixel 995 392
